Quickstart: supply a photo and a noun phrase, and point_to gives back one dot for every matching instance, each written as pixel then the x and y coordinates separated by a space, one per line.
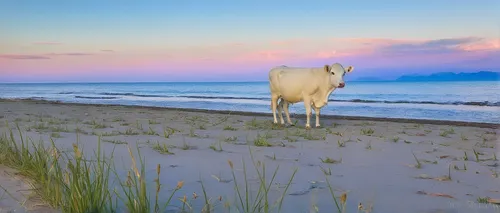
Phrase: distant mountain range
pixel 443 76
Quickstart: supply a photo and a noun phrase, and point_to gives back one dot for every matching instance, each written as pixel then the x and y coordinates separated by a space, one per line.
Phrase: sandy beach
pixel 383 165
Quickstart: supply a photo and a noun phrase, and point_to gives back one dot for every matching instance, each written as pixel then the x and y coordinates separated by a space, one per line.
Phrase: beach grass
pixel 73 182
pixel 68 182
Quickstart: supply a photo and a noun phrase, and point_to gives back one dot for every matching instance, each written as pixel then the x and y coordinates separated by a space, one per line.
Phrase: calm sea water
pixel 462 101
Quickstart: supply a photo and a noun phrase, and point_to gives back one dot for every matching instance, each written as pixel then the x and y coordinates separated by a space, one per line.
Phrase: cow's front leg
pixel 317 112
pixel 274 103
pixel 287 113
pixel 307 104
pixel 280 111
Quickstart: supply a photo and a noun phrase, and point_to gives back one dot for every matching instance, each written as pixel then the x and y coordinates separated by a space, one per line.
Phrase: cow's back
pixel 290 82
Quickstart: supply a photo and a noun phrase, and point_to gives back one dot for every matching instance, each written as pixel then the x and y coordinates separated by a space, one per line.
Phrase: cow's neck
pixel 321 97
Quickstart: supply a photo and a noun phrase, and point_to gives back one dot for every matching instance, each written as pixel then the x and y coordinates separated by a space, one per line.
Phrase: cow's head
pixel 336 74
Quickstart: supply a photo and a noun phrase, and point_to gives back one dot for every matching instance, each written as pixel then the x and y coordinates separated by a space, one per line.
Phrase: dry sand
pixel 376 168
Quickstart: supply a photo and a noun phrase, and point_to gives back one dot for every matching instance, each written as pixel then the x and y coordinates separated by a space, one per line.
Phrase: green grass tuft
pixel 261 141
pixel 162 148
pixel 230 128
pixel 395 139
pixel 368 131
pixel 330 160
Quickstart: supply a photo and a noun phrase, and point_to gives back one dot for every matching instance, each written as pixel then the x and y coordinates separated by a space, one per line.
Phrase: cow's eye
pixel 333 73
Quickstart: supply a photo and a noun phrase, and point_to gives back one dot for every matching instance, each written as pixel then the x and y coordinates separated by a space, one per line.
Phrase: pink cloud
pixel 107 51
pixel 364 53
pixel 71 54
pixel 486 44
pixel 41 56
pixel 22 57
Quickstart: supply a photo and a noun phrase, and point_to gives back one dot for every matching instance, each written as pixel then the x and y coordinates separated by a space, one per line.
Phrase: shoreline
pixel 259 114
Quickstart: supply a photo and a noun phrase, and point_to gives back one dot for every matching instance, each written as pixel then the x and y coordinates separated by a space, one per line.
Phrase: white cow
pixel 312 86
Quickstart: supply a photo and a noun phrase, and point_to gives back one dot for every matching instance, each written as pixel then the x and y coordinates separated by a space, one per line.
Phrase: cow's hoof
pixel 318 126
pixel 308 127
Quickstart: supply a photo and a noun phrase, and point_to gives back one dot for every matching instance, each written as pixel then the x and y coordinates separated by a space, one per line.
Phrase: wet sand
pixel 374 161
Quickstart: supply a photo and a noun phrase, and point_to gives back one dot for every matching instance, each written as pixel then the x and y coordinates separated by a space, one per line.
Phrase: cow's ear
pixel 350 68
pixel 327 68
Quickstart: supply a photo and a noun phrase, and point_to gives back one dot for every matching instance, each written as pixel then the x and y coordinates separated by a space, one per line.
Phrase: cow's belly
pixel 292 96
pixel 293 99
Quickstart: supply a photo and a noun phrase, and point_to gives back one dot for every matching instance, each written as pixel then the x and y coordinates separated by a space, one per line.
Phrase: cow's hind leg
pixel 274 105
pixel 286 105
pixel 317 112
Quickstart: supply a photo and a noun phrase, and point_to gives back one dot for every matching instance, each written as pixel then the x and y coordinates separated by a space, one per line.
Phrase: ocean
pixel 456 101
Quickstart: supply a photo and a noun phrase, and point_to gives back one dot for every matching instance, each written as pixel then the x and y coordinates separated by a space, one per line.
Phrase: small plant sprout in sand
pixel 55 135
pixel 289 139
pixel 476 154
pixel 115 141
pixel 217 148
pixel 185 145
pixel 252 124
pixel 230 128
pixel 162 148
pixel 447 132
pixel 341 143
pixel 418 165
pixel 368 131
pixel 463 137
pixel 230 139
pixel 272 157
pixel 130 131
pixel 261 141
pixel 167 132
pixel 466 158
pixel 330 160
pixel 395 139
pixel 482 199
pixel 96 125
pixel 192 133
pixel 152 122
pixel 202 127
pixel 326 171
pixel 151 132
pixel 310 136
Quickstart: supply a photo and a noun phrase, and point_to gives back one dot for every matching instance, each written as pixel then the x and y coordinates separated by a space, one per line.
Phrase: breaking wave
pixel 90 97
pixel 109 95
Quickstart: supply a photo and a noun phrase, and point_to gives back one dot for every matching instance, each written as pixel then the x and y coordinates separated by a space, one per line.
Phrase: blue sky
pixel 182 40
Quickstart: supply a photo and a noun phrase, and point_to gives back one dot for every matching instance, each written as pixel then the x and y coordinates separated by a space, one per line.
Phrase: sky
pixel 240 40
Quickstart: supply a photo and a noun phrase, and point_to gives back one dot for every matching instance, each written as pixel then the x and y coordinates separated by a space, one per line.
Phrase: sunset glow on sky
pixel 216 40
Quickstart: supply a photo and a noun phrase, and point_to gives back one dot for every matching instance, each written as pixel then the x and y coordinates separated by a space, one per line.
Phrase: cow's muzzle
pixel 341 85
